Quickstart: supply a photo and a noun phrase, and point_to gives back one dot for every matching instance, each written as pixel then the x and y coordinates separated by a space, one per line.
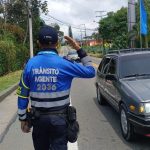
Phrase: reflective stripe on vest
pixel 50 104
pixel 49 95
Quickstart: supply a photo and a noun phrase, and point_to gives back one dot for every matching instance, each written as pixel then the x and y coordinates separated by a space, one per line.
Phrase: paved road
pixel 100 128
pixel 96 60
pixel 99 125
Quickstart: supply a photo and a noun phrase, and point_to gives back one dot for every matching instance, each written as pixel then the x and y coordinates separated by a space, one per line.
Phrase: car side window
pixel 112 67
pixel 105 65
pixel 101 65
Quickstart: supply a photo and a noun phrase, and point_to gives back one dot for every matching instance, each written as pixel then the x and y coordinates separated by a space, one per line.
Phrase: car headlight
pixel 144 108
pixel 147 107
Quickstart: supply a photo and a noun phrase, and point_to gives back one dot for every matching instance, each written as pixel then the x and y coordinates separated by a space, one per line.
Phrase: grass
pixel 98 55
pixel 10 79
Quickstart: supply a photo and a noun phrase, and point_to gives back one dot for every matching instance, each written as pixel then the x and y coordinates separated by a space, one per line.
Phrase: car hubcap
pixel 124 121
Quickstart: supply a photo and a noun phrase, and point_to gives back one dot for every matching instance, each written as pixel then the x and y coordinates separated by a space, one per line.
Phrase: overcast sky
pixel 77 12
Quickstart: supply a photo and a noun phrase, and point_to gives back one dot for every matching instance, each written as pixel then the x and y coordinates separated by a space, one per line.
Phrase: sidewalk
pixel 8 111
pixel 8 114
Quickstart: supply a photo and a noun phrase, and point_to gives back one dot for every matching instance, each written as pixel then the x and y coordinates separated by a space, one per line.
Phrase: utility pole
pixel 81 37
pixel 84 31
pixel 85 35
pixel 131 20
pixel 4 2
pixel 101 16
pixel 30 28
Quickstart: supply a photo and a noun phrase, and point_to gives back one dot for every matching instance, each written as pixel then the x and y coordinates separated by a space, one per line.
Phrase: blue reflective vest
pixel 46 81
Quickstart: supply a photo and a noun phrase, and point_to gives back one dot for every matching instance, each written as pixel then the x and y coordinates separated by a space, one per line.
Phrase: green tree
pixel 114 28
pixel 13 26
pixel 16 12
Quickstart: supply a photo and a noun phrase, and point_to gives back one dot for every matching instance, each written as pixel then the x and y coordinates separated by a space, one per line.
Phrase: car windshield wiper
pixel 136 75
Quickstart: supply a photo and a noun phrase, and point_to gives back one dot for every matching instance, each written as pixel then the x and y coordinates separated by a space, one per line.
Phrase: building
pixel 90 42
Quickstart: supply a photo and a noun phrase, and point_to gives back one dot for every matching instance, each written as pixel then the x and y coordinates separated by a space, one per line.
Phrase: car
pixel 73 56
pixel 123 80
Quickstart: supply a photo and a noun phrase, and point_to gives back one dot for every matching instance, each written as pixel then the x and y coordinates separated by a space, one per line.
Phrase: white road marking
pixel 72 146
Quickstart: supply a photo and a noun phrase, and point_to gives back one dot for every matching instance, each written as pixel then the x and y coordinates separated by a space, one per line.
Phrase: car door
pixel 110 85
pixel 101 72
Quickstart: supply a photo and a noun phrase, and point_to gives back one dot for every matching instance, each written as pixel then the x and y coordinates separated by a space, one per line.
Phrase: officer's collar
pixel 48 51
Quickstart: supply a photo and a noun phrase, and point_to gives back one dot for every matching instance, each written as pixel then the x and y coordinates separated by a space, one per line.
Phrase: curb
pixel 3 95
pixel 8 91
pixel 2 135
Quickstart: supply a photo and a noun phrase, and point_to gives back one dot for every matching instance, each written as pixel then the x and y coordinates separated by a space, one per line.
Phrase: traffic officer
pixel 46 81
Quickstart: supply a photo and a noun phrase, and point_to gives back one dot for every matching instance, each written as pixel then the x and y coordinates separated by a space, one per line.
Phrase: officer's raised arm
pixel 86 71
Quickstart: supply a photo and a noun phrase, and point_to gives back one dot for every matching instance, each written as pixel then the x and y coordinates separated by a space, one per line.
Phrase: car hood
pixel 140 87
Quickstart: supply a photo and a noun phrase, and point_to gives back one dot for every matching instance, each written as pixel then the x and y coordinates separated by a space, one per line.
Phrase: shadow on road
pixel 140 143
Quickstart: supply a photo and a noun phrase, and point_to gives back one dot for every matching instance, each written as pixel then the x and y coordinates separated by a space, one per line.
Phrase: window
pixel 105 65
pixel 101 65
pixel 112 67
pixel 135 65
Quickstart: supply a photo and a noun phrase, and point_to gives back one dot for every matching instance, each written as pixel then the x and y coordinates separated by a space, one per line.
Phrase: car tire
pixel 127 128
pixel 100 98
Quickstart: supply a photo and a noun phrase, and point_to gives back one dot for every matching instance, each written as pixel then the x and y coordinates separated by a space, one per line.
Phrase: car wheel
pixel 100 98
pixel 127 128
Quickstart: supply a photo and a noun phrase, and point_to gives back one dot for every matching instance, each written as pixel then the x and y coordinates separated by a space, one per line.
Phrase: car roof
pixel 129 52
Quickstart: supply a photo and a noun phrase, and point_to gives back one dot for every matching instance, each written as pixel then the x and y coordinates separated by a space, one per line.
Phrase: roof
pixel 127 52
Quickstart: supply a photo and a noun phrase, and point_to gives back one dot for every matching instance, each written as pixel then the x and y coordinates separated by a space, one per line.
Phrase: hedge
pixel 7 56
pixel 12 57
pixel 13 54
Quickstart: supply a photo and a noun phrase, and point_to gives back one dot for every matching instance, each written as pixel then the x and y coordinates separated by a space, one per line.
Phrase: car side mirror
pixel 111 77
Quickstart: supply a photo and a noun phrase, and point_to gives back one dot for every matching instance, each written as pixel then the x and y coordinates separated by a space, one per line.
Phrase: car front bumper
pixel 141 123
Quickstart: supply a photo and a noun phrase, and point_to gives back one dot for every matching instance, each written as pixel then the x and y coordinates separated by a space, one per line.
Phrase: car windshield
pixel 135 65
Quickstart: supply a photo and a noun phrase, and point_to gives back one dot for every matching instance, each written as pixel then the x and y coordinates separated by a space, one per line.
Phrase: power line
pixel 48 19
pixel 68 24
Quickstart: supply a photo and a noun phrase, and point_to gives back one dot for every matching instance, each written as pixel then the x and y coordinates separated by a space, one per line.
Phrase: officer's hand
pixel 72 42
pixel 24 127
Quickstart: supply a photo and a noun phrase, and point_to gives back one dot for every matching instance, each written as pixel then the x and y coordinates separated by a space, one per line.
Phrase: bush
pixel 22 55
pixel 16 31
pixel 13 54
pixel 93 49
pixel 12 57
pixel 7 56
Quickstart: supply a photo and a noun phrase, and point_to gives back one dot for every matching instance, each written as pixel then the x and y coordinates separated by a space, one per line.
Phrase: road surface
pixel 99 125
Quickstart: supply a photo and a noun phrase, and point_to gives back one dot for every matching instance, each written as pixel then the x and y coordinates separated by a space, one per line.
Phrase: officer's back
pixel 47 81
